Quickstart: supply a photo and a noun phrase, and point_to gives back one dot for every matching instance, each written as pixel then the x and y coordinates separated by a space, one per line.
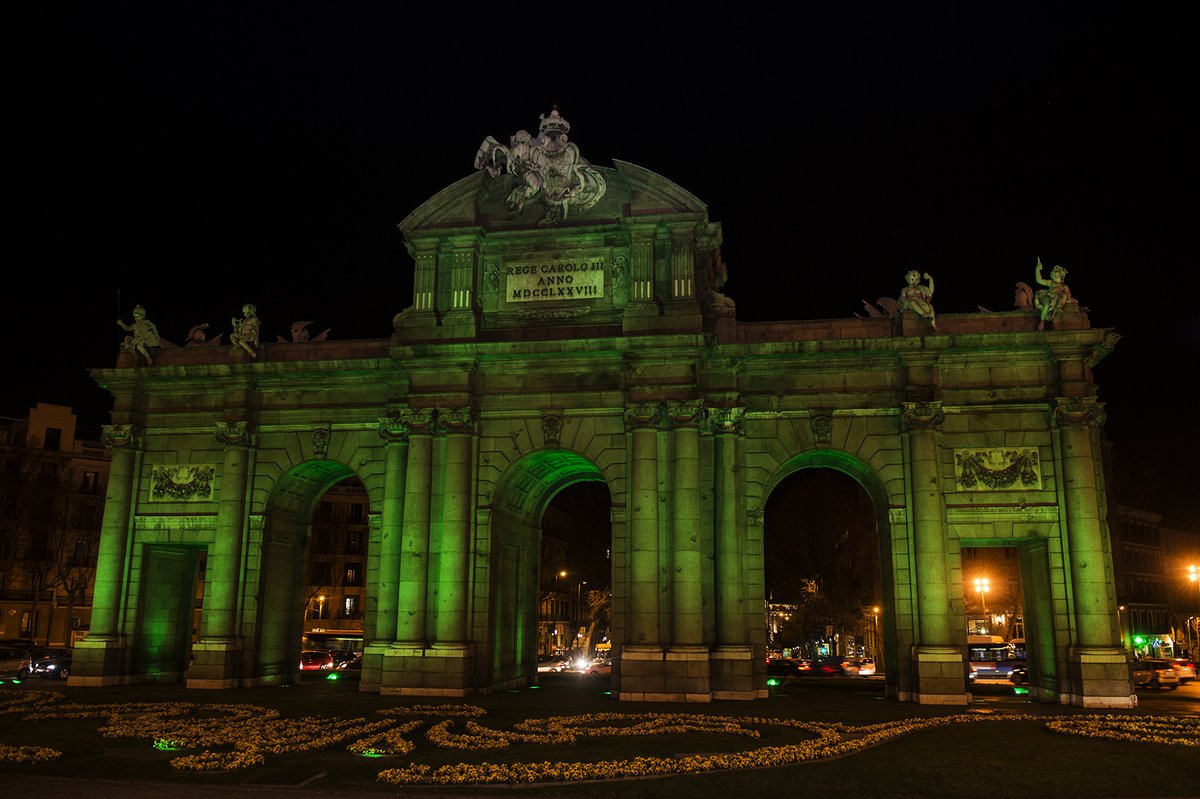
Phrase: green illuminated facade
pixel 593 344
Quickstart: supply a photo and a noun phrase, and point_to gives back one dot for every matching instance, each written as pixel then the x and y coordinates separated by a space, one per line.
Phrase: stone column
pixel 939 663
pixel 642 520
pixel 687 604
pixel 217 655
pixel 120 496
pixel 394 433
pixel 732 660
pixel 1096 662
pixel 727 426
pixel 1076 418
pixel 454 539
pixel 98 656
pixel 225 564
pixel 414 554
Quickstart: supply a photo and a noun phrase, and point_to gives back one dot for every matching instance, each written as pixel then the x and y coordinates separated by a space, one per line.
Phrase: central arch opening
pixel 826 608
pixel 551 588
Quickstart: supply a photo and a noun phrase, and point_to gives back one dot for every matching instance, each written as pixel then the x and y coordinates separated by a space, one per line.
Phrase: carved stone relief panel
pixel 181 483
pixel 997 469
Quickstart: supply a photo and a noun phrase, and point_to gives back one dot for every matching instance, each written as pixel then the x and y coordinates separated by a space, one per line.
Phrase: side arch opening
pixel 528 591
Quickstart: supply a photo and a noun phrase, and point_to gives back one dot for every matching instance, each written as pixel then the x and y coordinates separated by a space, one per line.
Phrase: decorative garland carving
pixel 1078 412
pixel 923 415
pixel 235 433
pixel 553 313
pixel 119 436
pixel 997 469
pixel 182 483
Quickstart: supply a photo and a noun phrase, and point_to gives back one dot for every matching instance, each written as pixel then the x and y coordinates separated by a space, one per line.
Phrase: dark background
pixel 192 157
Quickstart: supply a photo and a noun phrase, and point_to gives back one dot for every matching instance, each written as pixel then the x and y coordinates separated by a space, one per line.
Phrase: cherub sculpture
pixel 1051 300
pixel 244 335
pixel 143 335
pixel 918 298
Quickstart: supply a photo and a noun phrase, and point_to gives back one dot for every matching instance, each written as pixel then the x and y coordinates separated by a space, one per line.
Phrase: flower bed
pixel 233 736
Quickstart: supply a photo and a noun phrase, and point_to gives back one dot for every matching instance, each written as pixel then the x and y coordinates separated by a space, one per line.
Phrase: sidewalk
pixel 915 765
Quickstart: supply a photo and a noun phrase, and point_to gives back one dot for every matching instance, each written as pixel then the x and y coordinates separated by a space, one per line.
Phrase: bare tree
pixel 34 513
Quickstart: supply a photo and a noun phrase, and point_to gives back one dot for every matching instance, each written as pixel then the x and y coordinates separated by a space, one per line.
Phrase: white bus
pixel 993 658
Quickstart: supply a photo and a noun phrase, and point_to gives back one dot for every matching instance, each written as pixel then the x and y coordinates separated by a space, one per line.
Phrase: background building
pixel 337 559
pixel 51 500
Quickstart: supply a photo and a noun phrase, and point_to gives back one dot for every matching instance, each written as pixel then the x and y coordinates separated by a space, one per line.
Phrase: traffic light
pixel 1139 640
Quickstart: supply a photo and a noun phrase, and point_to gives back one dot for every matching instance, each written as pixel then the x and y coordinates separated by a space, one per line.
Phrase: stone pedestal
pixel 732 674
pixel 420 670
pixel 1099 677
pixel 678 674
pixel 216 664
pixel 99 660
pixel 940 676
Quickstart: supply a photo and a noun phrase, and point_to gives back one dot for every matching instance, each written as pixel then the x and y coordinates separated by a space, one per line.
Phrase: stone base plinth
pixel 940 676
pixel 216 663
pixel 1099 677
pixel 422 670
pixel 678 674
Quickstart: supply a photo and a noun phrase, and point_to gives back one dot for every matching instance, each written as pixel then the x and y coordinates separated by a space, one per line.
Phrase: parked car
pixel 51 663
pixel 553 664
pixel 14 662
pixel 315 660
pixel 1155 673
pixel 599 666
pixel 1019 676
pixel 341 657
pixel 1185 669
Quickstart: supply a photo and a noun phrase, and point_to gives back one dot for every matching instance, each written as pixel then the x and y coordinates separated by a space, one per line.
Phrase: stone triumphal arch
pixel 568 325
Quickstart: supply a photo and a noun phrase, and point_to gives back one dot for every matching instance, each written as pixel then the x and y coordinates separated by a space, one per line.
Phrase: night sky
pixel 195 157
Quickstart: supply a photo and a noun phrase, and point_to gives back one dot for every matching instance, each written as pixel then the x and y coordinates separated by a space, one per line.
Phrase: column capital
pixel 456 421
pixel 922 415
pixel 237 434
pixel 640 415
pixel 416 421
pixel 1078 412
pixel 725 420
pixel 120 436
pixel 393 430
pixel 685 413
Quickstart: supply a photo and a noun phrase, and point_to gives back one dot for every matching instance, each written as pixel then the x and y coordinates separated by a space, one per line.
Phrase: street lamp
pixel 875 632
pixel 1121 625
pixel 981 585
